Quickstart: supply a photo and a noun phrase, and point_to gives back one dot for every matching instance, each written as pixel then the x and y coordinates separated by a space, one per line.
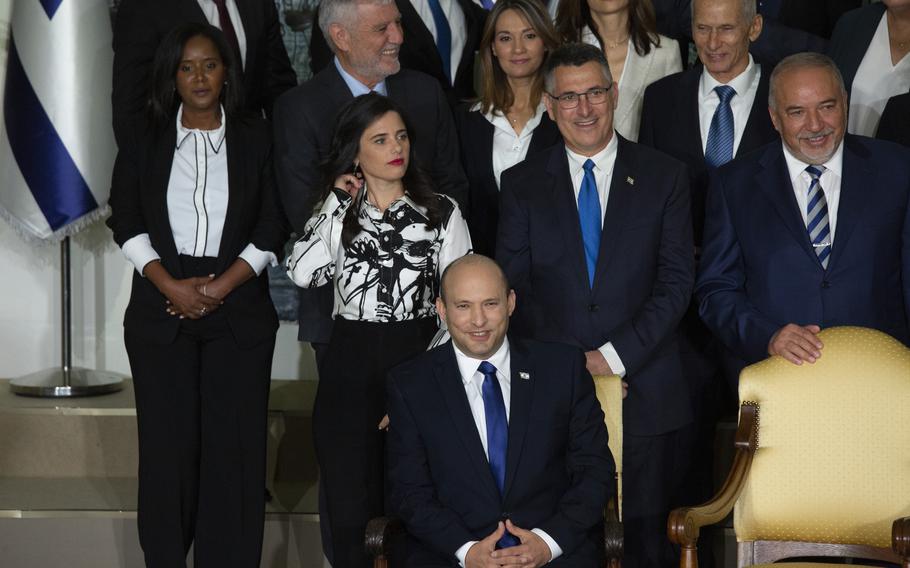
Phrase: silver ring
pixel 202 311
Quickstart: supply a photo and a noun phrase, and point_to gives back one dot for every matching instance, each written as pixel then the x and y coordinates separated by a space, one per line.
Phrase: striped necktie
pixel 817 216
pixel 719 149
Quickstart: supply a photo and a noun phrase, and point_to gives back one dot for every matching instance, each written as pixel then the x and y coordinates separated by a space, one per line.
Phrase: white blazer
pixel 638 72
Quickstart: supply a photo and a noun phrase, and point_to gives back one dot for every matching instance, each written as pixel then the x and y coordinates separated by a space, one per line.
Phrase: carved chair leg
pixel 688 556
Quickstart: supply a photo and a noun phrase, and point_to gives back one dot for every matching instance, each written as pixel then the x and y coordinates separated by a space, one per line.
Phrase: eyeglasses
pixel 595 96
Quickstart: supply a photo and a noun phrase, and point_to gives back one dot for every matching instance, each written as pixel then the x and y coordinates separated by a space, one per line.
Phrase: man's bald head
pixel 476 265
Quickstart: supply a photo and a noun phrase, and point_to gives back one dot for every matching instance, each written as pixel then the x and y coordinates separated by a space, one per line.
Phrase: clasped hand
pixel 533 552
pixel 194 298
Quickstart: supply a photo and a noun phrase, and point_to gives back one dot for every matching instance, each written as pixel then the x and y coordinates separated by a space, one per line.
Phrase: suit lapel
pixel 420 35
pixel 162 158
pixel 247 17
pixel 484 149
pixel 519 408
pixel 566 209
pixel 774 179
pixel 188 12
pixel 754 134
pixel 853 199
pixel 633 81
pixel 236 187
pixel 619 205
pixel 452 389
pixel 691 128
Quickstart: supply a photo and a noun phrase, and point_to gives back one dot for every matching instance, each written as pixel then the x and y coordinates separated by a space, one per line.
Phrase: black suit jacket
pixel 139 205
pixel 559 470
pixel 669 123
pixel 140 26
pixel 642 284
pixel 418 52
pixel 475 134
pixel 851 38
pixel 759 271
pixel 304 125
pixel 895 122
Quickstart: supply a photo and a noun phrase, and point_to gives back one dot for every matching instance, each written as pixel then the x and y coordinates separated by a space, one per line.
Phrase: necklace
pixel 611 45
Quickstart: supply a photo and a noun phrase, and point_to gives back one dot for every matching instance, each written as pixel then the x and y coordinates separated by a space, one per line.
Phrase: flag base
pixel 52 383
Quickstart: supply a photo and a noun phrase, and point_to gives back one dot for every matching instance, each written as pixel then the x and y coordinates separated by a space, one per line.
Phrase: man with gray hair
pixel 596 238
pixel 809 233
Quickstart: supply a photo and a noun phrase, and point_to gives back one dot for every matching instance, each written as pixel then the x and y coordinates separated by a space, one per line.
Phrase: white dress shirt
pixel 197 201
pixel 510 148
pixel 876 81
pixel 472 379
pixel 457 24
pixel 211 14
pixel 745 84
pixel 830 181
pixel 603 177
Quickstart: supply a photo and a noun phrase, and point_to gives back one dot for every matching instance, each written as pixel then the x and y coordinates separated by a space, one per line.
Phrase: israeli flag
pixel 56 141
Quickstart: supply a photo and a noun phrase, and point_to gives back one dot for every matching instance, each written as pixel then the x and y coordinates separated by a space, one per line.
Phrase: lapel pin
pixel 630 180
pixel 524 375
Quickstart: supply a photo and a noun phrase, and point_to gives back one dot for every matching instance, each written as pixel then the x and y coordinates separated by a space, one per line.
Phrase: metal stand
pixel 66 381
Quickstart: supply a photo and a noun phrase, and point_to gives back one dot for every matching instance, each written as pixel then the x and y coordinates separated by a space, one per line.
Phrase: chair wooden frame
pixel 684 524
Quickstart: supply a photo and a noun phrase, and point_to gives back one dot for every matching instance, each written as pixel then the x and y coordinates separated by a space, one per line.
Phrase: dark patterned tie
pixel 224 22
pixel 719 149
pixel 817 216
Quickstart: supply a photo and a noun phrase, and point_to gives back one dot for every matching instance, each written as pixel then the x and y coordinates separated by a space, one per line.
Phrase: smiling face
pixel 200 75
pixel 516 45
pixel 588 127
pixel 809 112
pixel 477 307
pixel 722 37
pixel 368 47
pixel 384 149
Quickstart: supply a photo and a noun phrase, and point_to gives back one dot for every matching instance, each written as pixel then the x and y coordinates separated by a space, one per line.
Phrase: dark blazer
pixel 895 122
pixel 643 279
pixel 669 123
pixel 142 24
pixel 419 49
pixel 139 205
pixel 759 271
pixel 475 134
pixel 304 124
pixel 851 38
pixel 559 470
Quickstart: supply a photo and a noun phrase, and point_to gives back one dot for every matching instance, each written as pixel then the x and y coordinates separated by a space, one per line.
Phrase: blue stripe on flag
pixel 50 6
pixel 46 165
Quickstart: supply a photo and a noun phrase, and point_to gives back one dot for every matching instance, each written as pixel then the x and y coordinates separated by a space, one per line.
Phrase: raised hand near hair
pixel 350 183
pixel 796 343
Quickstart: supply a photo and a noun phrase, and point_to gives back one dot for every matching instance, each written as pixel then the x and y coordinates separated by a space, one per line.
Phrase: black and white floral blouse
pixel 391 270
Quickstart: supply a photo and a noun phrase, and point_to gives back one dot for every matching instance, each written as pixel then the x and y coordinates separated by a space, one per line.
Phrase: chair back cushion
pixel 609 394
pixel 833 457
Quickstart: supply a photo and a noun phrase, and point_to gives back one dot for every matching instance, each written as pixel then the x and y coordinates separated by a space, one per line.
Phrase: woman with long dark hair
pixel 382 238
pixel 626 31
pixel 508 121
pixel 195 212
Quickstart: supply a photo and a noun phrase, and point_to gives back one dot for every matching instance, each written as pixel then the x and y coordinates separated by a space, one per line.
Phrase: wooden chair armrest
pixel 378 537
pixel 900 540
pixel 684 524
pixel 613 534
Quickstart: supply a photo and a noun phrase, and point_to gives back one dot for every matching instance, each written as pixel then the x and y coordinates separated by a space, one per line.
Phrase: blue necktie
pixel 817 216
pixel 589 216
pixel 443 37
pixel 494 410
pixel 719 149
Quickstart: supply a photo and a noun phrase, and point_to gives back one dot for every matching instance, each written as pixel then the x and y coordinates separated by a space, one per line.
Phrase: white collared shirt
pixel 746 86
pixel 472 379
pixel 457 24
pixel 356 87
pixel 830 181
pixel 211 14
pixel 604 161
pixel 510 148
pixel 875 82
pixel 197 201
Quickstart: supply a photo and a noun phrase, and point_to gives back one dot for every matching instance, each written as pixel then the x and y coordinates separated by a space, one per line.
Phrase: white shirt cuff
pixel 613 360
pixel 258 259
pixel 555 550
pixel 138 250
pixel 462 552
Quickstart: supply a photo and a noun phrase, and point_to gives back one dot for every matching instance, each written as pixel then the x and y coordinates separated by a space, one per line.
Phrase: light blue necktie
pixel 443 37
pixel 719 149
pixel 817 216
pixel 589 216
pixel 494 409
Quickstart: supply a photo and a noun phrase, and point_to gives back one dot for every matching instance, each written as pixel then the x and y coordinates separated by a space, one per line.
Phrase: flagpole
pixel 66 381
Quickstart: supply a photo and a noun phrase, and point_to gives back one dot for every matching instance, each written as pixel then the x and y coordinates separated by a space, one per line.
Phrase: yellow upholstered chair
pixel 822 464
pixel 609 394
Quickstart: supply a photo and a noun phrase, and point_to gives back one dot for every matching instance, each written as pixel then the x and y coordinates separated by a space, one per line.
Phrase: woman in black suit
pixel 195 211
pixel 895 123
pixel 508 121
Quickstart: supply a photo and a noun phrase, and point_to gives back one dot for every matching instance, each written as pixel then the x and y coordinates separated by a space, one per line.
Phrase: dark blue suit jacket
pixel 759 271
pixel 643 280
pixel 559 470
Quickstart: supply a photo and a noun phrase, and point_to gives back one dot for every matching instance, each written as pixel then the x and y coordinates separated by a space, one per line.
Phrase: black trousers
pixel 350 402
pixel 201 407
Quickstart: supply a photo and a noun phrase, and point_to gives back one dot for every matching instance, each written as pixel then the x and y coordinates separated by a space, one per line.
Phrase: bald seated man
pixel 498 450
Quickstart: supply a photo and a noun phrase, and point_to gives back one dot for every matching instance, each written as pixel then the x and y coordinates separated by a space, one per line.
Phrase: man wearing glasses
pixel 595 235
